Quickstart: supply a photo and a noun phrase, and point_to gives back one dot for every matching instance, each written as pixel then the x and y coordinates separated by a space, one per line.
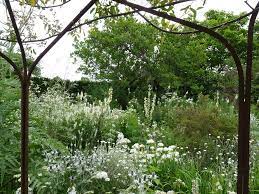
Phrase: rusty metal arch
pixel 244 104
pixel 244 92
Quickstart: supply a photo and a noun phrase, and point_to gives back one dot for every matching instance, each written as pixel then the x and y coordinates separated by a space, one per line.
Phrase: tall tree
pixel 133 55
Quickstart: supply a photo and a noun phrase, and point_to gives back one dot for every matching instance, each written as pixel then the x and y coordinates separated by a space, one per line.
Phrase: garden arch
pixel 244 100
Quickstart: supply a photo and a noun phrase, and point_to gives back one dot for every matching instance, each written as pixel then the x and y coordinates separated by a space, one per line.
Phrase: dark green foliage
pixel 93 90
pixel 7 70
pixel 9 130
pixel 133 55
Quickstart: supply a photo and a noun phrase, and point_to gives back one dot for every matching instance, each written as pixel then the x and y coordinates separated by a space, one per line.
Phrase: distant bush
pixel 188 122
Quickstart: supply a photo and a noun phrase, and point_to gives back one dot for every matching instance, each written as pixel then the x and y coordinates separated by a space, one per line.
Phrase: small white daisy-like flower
pixel 160 144
pixel 101 175
pixel 150 141
pixel 71 190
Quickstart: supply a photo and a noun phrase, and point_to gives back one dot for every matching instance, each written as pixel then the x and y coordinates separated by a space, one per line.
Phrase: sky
pixel 58 61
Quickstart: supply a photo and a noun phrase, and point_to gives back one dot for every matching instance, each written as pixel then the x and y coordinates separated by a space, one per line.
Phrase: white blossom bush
pixel 79 123
pixel 109 167
pixel 143 168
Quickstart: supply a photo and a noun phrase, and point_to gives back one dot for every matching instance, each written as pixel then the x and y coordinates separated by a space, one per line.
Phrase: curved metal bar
pixel 136 11
pixel 15 67
pixel 244 132
pixel 244 90
pixel 100 18
pixel 195 26
pixel 47 7
pixel 61 34
pixel 197 31
pixel 17 34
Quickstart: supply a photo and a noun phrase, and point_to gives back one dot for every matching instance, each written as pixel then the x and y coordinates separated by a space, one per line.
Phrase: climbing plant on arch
pixel 244 74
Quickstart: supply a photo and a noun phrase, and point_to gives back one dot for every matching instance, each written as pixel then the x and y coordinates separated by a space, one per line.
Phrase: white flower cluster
pixel 162 192
pixel 71 190
pixel 18 191
pixel 122 140
pixel 153 152
pixel 109 163
pixel 118 161
pixel 56 107
pixel 102 175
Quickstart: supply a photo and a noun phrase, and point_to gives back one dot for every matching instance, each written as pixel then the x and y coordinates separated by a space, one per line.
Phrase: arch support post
pixel 244 87
pixel 24 134
pixel 243 148
pixel 244 114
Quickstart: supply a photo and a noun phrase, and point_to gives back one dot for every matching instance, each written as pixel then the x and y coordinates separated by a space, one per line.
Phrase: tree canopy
pixel 132 55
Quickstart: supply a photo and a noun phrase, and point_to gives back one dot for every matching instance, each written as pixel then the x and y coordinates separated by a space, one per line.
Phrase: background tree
pixel 164 60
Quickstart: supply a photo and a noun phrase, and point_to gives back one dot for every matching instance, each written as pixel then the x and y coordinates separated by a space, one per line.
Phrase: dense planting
pixel 170 145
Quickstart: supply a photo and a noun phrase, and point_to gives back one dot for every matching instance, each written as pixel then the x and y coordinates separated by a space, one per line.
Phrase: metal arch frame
pixel 24 75
pixel 244 93
pixel 244 104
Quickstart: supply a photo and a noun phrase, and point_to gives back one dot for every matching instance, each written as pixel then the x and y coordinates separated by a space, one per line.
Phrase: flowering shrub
pixel 146 168
pixel 80 123
pixel 81 147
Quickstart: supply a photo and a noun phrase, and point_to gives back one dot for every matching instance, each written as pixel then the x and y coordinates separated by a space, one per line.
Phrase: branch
pixel 246 2
pixel 97 19
pixel 163 30
pixel 15 67
pixel 199 28
pixel 47 7
pixel 136 11
pixel 17 34
pixel 197 31
pixel 61 34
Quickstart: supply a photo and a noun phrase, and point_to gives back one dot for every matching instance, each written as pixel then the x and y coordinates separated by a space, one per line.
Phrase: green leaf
pixel 33 2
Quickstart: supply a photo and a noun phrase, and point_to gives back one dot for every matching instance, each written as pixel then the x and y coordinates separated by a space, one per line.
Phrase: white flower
pixel 141 146
pixel 176 154
pixel 136 146
pixel 71 190
pixel 160 192
pixel 101 175
pixel 231 192
pixel 120 136
pixel 160 144
pixel 159 149
pixel 150 141
pixel 164 156
pixel 195 187
pixel 16 176
pixel 170 192
pixel 218 185
pixel 172 147
pixel 18 191
pixel 150 156
pixel 123 141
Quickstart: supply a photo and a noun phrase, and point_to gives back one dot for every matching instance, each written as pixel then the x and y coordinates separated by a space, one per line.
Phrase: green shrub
pixel 189 123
